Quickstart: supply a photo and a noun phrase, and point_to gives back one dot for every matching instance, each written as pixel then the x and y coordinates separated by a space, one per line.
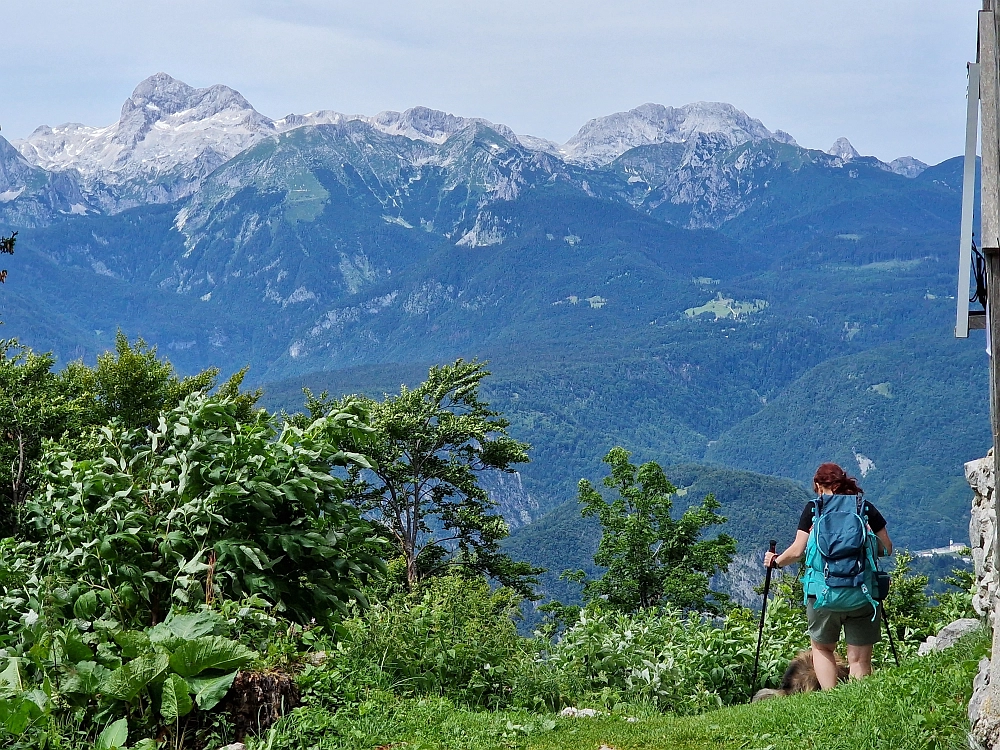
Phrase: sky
pixel 887 74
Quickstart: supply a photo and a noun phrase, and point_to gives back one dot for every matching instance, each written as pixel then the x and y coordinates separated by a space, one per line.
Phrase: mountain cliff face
pixel 168 138
pixel 604 139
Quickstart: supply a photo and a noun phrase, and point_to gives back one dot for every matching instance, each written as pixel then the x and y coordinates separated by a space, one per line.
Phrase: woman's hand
pixel 790 555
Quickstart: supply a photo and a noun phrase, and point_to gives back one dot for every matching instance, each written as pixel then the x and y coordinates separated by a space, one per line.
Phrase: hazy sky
pixel 888 74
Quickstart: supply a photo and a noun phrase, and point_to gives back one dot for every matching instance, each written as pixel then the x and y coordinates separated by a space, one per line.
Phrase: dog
pixel 800 677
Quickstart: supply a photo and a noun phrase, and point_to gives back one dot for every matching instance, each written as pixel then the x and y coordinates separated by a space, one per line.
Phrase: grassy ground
pixel 919 705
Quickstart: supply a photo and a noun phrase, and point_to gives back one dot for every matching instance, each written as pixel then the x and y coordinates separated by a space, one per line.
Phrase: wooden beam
pixel 989 88
pixel 962 321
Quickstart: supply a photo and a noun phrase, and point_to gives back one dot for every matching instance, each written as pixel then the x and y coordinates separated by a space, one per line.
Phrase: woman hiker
pixel 861 629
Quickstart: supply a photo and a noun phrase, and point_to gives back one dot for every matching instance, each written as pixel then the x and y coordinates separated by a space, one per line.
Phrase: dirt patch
pixel 258 699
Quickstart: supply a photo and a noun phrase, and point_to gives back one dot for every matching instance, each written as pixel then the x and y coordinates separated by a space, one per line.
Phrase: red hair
pixel 832 476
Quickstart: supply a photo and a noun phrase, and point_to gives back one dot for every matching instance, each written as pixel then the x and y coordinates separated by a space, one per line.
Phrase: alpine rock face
pixel 694 166
pixel 604 139
pixel 169 137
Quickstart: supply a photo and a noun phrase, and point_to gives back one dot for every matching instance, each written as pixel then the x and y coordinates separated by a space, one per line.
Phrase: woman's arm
pixel 884 541
pixel 792 554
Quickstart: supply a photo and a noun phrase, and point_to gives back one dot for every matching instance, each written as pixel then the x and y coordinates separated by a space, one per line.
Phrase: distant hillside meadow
pixel 684 282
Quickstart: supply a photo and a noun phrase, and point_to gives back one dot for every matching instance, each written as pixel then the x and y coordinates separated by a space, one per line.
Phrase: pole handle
pixel 773 546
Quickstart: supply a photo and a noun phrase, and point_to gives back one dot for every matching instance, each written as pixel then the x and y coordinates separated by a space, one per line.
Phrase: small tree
pixel 428 446
pixel 35 404
pixel 131 384
pixel 651 558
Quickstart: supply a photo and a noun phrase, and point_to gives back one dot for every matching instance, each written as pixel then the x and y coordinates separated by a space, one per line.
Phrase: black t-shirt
pixel 875 519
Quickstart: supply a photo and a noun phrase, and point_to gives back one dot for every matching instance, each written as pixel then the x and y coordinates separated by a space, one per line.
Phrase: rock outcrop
pixel 984 713
pixel 948 636
pixel 982 532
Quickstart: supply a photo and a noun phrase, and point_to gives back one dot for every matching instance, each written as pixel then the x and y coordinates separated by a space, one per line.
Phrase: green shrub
pixel 454 637
pixel 205 507
pixel 94 669
pixel 684 664
pixel 109 615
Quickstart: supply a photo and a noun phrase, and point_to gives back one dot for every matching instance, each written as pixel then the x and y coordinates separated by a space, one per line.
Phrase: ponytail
pixel 831 475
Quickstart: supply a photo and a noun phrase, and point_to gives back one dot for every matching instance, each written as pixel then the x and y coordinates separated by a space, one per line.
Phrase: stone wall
pixel 984 714
pixel 982 532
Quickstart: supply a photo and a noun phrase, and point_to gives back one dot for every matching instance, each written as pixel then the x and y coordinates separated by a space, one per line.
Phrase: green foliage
pixel 920 705
pixel 7 248
pixel 756 507
pixel 94 668
pixel 908 605
pixel 204 506
pixel 452 637
pixel 956 603
pixel 682 664
pixel 35 405
pixel 131 386
pixel 650 558
pixel 428 446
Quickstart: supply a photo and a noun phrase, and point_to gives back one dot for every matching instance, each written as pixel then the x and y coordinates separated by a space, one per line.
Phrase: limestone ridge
pixel 604 139
pixel 513 502
pixel 984 714
pixel 906 166
pixel 168 138
pixel 171 136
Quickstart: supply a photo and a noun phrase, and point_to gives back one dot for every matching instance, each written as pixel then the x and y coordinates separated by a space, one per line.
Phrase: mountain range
pixel 681 281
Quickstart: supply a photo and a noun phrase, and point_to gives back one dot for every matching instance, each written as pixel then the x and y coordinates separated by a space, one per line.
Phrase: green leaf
pixel 210 652
pixel 115 735
pixel 10 678
pixel 85 677
pixel 251 556
pixel 85 606
pixel 133 643
pixel 161 634
pixel 76 650
pixel 208 691
pixel 175 700
pixel 195 624
pixel 126 682
pixel 25 712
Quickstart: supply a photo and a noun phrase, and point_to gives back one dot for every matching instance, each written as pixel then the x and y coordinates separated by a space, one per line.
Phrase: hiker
pixel 846 606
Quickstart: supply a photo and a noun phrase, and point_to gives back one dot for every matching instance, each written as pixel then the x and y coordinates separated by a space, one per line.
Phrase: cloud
pixel 889 75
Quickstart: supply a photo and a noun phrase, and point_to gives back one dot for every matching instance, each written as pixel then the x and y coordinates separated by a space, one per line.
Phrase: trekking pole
pixel 888 630
pixel 763 611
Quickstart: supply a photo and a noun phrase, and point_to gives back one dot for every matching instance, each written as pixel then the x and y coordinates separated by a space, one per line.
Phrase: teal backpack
pixel 840 555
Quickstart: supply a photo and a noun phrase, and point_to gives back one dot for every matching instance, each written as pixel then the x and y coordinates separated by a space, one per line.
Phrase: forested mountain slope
pixel 683 282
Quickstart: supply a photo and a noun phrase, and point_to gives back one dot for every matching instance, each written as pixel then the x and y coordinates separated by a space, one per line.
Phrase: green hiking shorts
pixel 859 628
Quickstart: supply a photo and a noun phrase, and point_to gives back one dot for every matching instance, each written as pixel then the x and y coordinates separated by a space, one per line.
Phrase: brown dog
pixel 800 677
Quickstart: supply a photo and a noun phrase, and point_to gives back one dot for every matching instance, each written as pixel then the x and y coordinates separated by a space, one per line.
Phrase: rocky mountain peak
pixel 162 98
pixel 425 124
pixel 843 149
pixel 166 127
pixel 907 166
pixel 603 139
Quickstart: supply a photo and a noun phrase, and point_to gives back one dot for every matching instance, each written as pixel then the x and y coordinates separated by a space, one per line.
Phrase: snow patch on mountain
pixel 416 123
